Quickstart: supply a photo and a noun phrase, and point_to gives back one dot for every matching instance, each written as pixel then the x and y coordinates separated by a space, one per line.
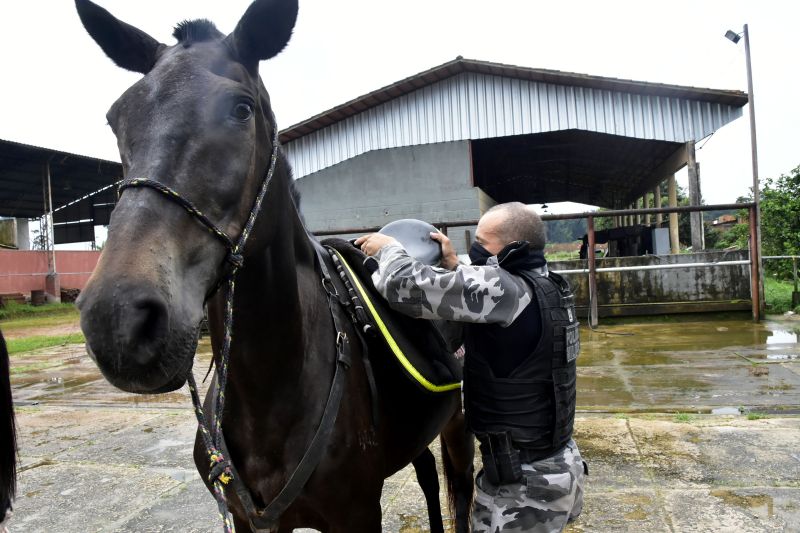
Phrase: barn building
pixel 445 144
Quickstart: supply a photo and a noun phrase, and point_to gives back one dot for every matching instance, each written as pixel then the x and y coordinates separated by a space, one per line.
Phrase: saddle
pixel 419 346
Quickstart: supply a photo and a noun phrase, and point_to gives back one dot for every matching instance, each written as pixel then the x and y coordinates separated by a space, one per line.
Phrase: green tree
pixel 780 220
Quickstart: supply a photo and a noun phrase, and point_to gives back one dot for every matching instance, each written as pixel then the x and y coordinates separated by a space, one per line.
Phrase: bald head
pixel 506 223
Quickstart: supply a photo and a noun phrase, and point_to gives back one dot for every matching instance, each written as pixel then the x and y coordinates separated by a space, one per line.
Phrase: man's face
pixel 487 236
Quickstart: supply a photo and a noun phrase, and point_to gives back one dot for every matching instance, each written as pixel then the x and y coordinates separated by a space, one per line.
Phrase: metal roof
pixel 461 65
pixel 470 100
pixel 72 177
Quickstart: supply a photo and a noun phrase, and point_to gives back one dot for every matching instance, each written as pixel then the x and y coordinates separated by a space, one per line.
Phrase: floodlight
pixel 733 36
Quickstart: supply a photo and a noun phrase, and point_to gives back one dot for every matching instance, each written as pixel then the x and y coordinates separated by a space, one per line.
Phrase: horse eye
pixel 242 111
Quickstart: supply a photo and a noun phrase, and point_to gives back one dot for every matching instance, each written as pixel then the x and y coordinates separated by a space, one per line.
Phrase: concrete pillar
pixel 646 205
pixel 674 243
pixel 637 205
pixel 52 288
pixel 657 205
pixel 23 234
pixel 694 198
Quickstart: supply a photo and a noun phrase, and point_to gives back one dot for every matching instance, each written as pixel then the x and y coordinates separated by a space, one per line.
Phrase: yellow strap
pixel 390 340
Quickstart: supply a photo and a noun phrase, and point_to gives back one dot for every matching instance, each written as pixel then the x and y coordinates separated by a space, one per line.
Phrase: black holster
pixel 500 459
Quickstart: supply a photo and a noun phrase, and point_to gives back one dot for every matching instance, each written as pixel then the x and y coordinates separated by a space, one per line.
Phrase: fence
pixel 756 281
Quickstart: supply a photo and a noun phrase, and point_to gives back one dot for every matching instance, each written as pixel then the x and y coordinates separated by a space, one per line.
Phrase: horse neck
pixel 271 301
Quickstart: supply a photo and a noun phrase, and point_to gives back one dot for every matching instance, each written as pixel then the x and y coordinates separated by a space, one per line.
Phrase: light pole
pixel 734 37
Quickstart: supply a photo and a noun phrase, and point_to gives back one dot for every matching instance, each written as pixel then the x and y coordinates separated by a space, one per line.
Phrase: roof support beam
pixel 695 198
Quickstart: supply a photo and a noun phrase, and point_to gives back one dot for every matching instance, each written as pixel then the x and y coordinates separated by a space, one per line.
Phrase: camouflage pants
pixel 549 496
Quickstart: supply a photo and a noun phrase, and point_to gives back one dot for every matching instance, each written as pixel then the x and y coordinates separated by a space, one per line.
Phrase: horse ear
pixel 263 31
pixel 128 47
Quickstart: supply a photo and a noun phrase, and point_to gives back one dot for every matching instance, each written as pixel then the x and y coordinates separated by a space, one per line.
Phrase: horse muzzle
pixel 139 341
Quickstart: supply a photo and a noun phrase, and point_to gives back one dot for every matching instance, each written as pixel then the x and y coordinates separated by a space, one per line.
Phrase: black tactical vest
pixel 533 399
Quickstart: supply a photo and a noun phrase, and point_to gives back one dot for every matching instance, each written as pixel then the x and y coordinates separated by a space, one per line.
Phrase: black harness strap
pixel 266 519
pixel 363 327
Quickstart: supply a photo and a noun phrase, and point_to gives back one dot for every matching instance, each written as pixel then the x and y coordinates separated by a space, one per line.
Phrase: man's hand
pixel 371 243
pixel 449 257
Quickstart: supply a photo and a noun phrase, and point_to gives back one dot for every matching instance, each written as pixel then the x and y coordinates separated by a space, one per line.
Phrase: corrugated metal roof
pixel 466 99
pixel 72 176
pixel 461 65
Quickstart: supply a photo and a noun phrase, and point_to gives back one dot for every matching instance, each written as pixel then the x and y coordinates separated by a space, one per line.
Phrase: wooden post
pixel 754 264
pixel 657 205
pixel 694 198
pixel 592 273
pixel 646 205
pixel 674 243
pixel 795 292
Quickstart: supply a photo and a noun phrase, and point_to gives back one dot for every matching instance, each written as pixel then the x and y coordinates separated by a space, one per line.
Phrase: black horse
pixel 199 125
pixel 8 436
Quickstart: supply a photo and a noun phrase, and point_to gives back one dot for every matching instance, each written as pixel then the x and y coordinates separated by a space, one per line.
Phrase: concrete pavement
pixel 97 459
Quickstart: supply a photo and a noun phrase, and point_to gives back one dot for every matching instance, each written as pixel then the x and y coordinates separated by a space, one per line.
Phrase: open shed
pixel 446 143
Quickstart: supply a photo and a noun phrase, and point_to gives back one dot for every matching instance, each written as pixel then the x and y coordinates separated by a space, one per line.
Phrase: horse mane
pixel 195 31
pixel 8 434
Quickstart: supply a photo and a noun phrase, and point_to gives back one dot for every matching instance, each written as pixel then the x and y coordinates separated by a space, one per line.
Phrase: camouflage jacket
pixel 479 294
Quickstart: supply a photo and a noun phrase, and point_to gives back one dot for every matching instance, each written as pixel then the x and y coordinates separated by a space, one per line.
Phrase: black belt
pixel 528 455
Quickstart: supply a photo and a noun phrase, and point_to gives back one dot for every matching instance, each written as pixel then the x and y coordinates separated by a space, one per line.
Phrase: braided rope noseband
pixel 221 471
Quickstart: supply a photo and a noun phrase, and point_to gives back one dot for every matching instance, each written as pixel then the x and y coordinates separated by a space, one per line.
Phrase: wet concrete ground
pixel 97 459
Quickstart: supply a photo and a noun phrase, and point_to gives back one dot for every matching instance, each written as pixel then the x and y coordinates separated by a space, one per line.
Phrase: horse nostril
pixel 152 315
pixel 148 327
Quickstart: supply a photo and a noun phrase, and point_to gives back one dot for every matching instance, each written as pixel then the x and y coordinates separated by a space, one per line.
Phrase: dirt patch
pixel 50 326
pixel 53 330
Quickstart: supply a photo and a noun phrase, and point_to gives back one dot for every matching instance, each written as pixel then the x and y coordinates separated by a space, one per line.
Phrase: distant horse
pixel 8 437
pixel 198 143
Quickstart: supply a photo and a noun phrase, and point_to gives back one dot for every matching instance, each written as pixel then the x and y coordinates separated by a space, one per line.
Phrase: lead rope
pixel 220 473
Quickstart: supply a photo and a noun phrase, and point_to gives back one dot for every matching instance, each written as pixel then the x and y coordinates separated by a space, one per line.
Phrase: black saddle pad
pixel 416 344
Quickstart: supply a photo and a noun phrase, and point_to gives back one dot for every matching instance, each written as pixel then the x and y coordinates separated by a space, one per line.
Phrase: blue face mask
pixel 478 254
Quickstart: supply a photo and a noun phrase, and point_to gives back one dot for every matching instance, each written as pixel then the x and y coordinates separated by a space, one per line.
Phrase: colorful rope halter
pixel 221 472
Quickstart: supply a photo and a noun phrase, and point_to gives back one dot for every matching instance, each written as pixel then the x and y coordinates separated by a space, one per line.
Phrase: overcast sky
pixel 57 84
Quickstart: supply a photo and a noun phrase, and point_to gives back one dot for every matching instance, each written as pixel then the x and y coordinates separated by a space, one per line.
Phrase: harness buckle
pixel 329 287
pixel 342 343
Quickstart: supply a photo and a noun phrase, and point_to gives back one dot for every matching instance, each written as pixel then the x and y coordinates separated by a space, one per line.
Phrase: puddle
pixel 780 336
pixel 179 474
pixel 754 502
pixel 782 357
pixel 163 444
pixel 726 411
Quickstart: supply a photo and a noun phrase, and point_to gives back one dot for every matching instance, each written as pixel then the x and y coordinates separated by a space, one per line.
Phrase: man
pixel 521 341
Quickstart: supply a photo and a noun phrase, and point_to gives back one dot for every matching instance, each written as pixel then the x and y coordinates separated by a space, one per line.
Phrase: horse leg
pixel 428 479
pixel 458 453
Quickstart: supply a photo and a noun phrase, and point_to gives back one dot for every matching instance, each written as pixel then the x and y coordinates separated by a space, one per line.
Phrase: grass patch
pixel 755 416
pixel 14 310
pixel 41 321
pixel 621 416
pixel 683 418
pixel 562 256
pixel 33 367
pixel 34 343
pixel 778 295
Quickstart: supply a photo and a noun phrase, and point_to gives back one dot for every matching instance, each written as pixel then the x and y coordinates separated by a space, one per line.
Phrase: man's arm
pixel 484 294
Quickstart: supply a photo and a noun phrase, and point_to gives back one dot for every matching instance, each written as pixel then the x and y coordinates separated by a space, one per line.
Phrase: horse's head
pixel 199 122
